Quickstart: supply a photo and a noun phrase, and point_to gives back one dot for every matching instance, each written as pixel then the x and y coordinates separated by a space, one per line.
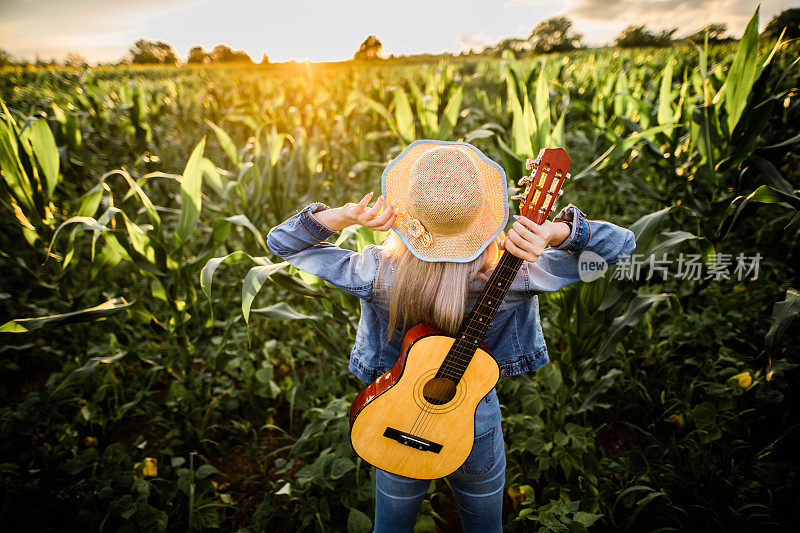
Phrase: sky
pixel 320 30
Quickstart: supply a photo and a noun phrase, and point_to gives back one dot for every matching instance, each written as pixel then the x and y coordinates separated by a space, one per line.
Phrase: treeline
pixel 555 34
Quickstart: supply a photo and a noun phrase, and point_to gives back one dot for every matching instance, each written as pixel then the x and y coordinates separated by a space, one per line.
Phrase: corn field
pixel 161 370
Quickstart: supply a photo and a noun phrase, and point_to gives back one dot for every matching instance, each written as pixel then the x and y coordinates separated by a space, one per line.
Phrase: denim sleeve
pixel 558 266
pixel 300 241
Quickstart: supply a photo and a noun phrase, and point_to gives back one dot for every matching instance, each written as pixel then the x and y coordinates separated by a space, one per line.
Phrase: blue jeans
pixel 477 484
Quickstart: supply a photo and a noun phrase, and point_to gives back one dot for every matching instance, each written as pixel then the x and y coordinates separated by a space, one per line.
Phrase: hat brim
pixel 487 225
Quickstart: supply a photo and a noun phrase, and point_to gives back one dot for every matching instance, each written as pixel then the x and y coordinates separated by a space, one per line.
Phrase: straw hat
pixel 450 198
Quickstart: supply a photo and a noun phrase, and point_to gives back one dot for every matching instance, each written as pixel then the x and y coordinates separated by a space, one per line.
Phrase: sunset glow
pixel 103 30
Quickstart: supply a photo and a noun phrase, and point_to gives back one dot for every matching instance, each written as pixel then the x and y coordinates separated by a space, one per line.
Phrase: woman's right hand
pixel 370 217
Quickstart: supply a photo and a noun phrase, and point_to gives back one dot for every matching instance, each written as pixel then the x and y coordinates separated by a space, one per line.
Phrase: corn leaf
pixel 763 195
pixel 191 201
pixel 225 142
pixel 252 285
pixel 106 309
pixel 282 311
pixel 742 73
pixel 450 114
pixel 637 309
pixel 405 117
pixel 783 314
pixel 46 153
pixel 207 273
pixel 13 171
pixel 665 113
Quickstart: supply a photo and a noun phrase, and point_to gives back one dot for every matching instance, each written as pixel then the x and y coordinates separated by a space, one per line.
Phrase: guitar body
pixel 393 425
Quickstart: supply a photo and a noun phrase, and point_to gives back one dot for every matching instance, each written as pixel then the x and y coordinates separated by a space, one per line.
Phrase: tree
pixel 223 53
pixel 264 59
pixel 716 34
pixel 74 59
pixel 146 52
pixel 6 59
pixel 511 44
pixel 371 48
pixel 633 36
pixel 789 19
pixel 197 56
pixel 44 63
pixel 554 35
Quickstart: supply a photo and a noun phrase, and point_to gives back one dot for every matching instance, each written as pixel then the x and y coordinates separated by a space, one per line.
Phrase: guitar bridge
pixel 412 440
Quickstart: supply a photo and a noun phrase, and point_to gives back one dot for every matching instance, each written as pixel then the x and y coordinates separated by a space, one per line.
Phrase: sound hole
pixel 439 391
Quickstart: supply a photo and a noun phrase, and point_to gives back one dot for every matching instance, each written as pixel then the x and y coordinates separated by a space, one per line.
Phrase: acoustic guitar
pixel 418 419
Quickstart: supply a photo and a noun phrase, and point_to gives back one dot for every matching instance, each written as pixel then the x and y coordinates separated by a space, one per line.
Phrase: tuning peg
pixel 568 176
pixel 520 196
pixel 560 192
pixel 531 163
pixel 524 179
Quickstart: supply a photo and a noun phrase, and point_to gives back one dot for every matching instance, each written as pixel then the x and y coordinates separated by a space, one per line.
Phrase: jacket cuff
pixel 581 230
pixel 314 227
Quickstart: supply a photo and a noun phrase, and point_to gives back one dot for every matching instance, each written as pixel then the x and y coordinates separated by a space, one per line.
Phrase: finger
pixel 534 250
pixel 529 235
pixel 514 250
pixel 365 200
pixel 375 209
pixel 519 241
pixel 530 225
pixel 388 224
pixel 381 219
pixel 355 209
pixel 535 247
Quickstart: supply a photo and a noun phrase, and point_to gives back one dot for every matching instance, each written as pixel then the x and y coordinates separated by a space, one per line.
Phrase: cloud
pixel 472 40
pixel 688 15
pixel 517 3
pixel 96 28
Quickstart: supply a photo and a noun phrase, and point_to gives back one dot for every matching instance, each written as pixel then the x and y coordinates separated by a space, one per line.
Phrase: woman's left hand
pixel 528 240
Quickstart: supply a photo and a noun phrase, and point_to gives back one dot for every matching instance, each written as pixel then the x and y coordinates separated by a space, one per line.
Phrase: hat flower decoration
pixel 451 200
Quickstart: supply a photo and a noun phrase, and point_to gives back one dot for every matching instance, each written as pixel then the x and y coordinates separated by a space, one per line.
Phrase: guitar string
pixel 464 349
pixel 505 274
pixel 459 351
pixel 455 368
pixel 452 368
pixel 448 370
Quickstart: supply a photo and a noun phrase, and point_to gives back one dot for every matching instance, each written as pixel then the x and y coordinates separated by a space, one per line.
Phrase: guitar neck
pixel 544 186
pixel 476 324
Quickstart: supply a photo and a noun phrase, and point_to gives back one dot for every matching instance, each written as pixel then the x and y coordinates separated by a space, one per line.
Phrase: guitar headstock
pixel 548 172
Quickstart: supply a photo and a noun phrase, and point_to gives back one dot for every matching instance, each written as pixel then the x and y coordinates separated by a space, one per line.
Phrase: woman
pixel 447 205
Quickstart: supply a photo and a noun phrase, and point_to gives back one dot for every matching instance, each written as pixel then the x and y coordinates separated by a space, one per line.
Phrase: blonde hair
pixel 432 292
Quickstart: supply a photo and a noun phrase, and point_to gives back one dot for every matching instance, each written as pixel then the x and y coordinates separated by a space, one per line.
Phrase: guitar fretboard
pixel 544 186
pixel 477 323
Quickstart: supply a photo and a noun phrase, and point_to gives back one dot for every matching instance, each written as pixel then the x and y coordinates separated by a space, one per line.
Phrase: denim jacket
pixel 515 337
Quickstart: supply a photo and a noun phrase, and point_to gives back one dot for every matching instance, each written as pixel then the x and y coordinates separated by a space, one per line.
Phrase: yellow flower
pixel 676 418
pixel 744 379
pixel 150 467
pixel 517 494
